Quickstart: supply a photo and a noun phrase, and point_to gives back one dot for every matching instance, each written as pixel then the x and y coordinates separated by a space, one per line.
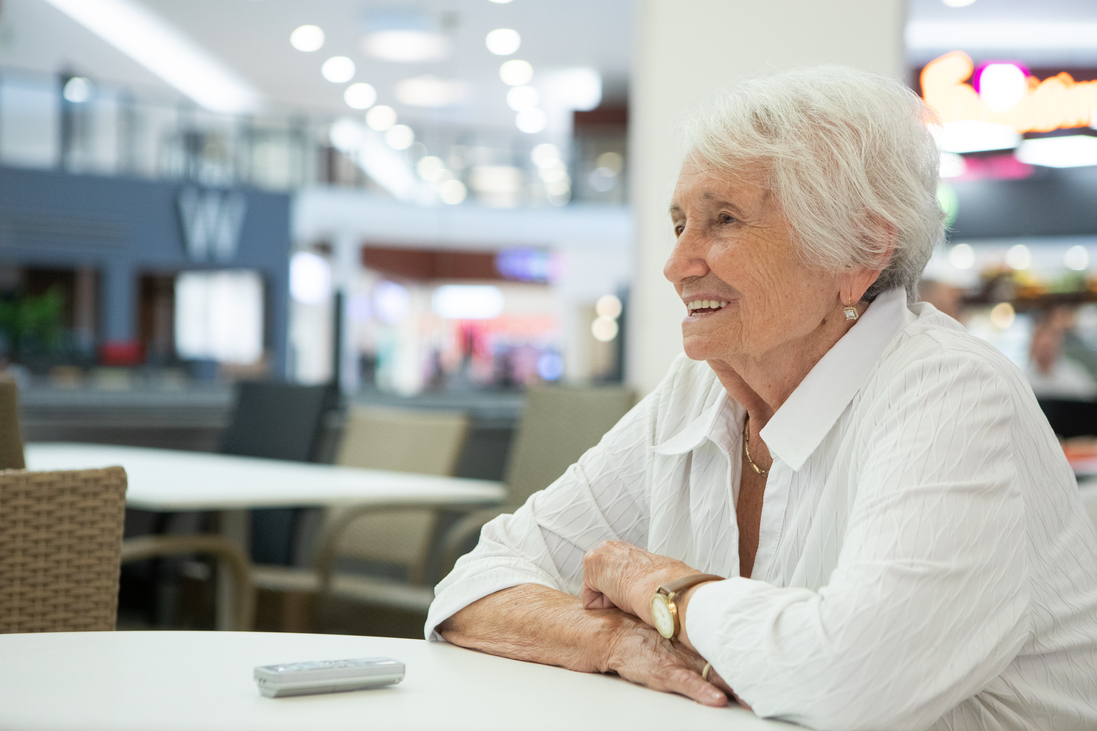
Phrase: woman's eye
pixel 727 218
pixel 678 230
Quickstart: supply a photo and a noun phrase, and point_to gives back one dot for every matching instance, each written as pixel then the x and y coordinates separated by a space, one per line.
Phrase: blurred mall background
pixel 441 203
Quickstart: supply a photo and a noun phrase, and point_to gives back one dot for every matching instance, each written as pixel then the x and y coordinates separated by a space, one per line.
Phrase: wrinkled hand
pixel 641 655
pixel 618 574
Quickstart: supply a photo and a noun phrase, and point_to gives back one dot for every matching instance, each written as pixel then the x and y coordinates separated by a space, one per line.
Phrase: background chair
pixel 276 421
pixel 60 544
pixel 375 555
pixel 11 439
pixel 558 424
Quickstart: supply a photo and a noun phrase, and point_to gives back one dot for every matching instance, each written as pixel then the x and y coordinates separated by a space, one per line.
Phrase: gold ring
pixel 704 673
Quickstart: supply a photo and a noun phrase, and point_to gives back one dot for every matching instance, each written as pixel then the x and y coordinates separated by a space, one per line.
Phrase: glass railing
pixel 80 125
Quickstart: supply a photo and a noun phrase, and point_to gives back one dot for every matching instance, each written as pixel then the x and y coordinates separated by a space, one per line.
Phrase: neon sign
pixel 1054 103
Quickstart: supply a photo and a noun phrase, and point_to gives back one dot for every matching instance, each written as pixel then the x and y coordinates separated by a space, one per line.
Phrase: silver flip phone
pixel 327 676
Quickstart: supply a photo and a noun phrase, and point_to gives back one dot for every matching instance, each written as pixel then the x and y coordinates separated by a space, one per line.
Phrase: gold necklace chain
pixel 746 447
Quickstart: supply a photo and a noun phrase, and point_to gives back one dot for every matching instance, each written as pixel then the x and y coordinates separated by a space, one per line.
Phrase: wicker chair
pixel 60 547
pixel 11 441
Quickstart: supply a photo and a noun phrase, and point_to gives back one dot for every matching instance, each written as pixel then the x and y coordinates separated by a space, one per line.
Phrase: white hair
pixel 847 155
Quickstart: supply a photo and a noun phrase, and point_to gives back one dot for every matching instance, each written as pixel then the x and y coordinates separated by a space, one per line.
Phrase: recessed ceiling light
pixel 1059 152
pixel 957 3
pixel 531 121
pixel 516 72
pixel 338 69
pixel 503 41
pixel 400 137
pixel 307 38
pixel 77 90
pixel 545 154
pixel 407 46
pixel 381 118
pixel 500 2
pixel 453 192
pixel 360 96
pixel 432 91
pixel 521 98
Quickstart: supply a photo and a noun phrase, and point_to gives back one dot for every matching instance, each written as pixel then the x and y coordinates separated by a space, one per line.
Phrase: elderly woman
pixel 838 506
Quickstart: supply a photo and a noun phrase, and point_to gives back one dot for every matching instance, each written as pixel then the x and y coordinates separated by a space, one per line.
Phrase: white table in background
pixel 202 681
pixel 166 480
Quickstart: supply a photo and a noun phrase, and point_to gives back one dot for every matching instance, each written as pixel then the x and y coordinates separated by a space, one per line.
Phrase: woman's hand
pixel 641 655
pixel 618 574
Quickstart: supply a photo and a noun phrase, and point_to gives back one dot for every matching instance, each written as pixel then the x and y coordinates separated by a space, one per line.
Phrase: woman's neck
pixel 762 384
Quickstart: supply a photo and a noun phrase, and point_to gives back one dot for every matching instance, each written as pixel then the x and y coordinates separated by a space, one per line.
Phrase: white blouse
pixel 924 559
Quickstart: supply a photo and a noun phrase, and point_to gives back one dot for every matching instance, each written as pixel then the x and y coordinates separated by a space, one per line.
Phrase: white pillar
pixel 686 51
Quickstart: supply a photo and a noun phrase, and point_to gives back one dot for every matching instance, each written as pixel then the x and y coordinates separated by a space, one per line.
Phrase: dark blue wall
pixel 125 227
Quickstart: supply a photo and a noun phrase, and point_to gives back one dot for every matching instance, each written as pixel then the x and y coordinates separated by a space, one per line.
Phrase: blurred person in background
pixel 1050 373
pixel 839 507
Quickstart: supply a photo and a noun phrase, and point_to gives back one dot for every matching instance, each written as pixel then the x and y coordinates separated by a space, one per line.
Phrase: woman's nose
pixel 687 258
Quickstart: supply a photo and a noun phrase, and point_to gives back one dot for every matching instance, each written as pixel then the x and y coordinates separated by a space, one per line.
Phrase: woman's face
pixel 734 246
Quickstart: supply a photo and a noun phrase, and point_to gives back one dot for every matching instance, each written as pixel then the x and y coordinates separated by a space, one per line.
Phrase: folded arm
pixel 538 624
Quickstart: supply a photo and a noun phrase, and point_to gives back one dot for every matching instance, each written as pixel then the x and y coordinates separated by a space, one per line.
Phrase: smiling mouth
pixel 704 307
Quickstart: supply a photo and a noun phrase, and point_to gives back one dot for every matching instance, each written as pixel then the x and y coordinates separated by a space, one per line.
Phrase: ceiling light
pixel 962 256
pixel 468 301
pixel 531 121
pixel 604 329
pixel 307 38
pixel 309 278
pixel 381 118
pixel 1002 315
pixel 1076 258
pixel 521 98
pixel 452 192
pixel 77 90
pixel 516 72
pixel 974 136
pixel 1059 152
pixel 575 88
pixel 957 3
pixel 500 2
pixel 503 41
pixel 1019 257
pixel 338 69
pixel 545 154
pixel 360 96
pixel 400 137
pixel 161 48
pixel 407 46
pixel 391 302
pixel 495 179
pixel 608 305
pixel 430 167
pixel 1001 85
pixel 612 160
pixel 431 91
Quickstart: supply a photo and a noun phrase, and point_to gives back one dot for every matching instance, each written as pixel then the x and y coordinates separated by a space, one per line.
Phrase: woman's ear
pixel 884 237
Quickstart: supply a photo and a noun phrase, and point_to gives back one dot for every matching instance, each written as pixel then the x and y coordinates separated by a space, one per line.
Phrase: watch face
pixel 662 616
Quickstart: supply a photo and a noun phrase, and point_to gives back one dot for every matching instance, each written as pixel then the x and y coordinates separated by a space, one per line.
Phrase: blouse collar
pixel 804 420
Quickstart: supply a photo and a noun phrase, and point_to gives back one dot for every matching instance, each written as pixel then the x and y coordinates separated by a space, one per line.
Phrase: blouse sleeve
pixel 599 498
pixel 929 599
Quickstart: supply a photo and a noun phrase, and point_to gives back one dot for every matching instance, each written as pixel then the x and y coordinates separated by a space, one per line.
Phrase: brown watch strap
pixel 673 587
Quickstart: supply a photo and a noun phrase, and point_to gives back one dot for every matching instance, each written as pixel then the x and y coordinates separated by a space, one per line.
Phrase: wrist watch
pixel 664 610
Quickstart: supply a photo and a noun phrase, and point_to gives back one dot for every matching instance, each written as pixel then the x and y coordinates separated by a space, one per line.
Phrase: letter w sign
pixel 212 220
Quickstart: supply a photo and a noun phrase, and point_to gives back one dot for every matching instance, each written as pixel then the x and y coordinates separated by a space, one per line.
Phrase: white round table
pixel 198 681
